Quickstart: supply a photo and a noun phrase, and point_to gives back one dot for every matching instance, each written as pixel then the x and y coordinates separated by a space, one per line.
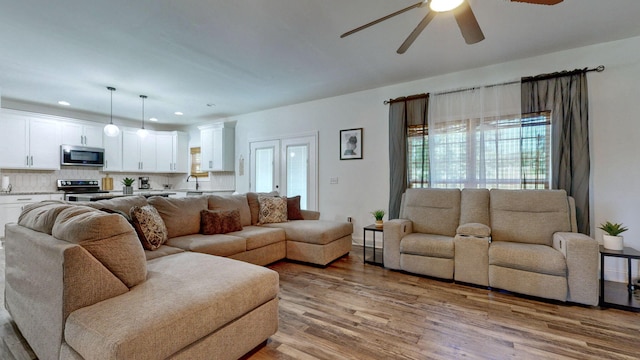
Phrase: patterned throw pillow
pixel 293 208
pixel 151 230
pixel 220 221
pixel 272 209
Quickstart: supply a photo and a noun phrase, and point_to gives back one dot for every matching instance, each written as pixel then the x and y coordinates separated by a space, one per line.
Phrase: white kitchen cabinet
pixel 138 154
pixel 82 134
pixel 172 152
pixel 217 147
pixel 29 141
pixel 112 152
pixel 11 206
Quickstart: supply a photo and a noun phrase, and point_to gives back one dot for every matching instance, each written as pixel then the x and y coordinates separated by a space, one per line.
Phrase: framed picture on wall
pixel 351 144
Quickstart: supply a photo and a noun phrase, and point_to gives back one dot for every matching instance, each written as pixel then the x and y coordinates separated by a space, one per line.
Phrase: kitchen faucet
pixel 197 185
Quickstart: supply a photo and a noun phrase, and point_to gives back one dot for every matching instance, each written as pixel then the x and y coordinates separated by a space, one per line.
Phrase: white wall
pixel 364 185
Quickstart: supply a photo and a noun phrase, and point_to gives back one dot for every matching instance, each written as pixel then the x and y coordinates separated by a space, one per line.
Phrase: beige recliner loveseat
pixel 523 241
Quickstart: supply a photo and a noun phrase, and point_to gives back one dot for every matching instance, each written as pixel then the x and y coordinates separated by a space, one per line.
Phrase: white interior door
pixel 287 165
pixel 265 166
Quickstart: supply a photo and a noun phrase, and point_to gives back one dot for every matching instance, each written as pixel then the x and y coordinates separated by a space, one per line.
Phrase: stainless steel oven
pixel 80 190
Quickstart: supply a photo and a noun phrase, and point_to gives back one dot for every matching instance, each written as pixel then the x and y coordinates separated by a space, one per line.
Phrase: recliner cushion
pixel 438 246
pixel 433 211
pixel 534 258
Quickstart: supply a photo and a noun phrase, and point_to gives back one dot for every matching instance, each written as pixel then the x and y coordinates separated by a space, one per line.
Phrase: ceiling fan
pixel 461 11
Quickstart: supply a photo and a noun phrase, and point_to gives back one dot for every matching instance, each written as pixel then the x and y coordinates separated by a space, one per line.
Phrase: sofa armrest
pixel 474 229
pixel 394 230
pixel 310 214
pixel 581 253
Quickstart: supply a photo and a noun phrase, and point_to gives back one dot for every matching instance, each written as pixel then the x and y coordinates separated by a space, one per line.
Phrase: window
pixel 196 170
pixel 492 153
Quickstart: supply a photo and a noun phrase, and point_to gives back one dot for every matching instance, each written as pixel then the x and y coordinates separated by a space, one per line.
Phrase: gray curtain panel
pixel 567 99
pixel 402 114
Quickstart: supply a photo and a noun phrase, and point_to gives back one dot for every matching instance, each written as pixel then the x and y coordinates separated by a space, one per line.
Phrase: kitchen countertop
pixel 2 193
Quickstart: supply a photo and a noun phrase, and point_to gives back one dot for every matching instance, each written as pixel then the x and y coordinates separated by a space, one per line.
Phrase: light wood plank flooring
pixel 354 311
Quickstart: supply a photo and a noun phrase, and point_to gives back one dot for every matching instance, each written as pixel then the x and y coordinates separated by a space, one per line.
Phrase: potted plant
pixel 612 240
pixel 127 189
pixel 378 214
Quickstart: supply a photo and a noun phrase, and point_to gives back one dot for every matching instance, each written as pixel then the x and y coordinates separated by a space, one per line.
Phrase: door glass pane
pixel 297 172
pixel 264 170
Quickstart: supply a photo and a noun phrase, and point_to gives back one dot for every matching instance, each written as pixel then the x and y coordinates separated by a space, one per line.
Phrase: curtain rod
pixel 599 68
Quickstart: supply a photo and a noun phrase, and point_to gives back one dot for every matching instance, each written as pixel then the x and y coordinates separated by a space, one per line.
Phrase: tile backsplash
pixel 45 181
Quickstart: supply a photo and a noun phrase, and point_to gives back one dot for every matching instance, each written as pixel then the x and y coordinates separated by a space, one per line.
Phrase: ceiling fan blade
pixel 468 24
pixel 539 2
pixel 418 4
pixel 414 34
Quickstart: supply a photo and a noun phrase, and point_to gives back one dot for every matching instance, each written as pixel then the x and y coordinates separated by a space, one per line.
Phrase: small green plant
pixel 612 229
pixel 128 181
pixel 378 214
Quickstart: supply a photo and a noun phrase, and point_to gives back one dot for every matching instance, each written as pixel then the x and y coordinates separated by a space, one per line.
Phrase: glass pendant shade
pixel 444 5
pixel 110 129
pixel 142 132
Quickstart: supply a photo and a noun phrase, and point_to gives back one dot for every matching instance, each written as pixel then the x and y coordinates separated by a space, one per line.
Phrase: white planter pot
pixel 613 242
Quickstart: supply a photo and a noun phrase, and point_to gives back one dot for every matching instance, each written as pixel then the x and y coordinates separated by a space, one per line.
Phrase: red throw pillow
pixel 220 221
pixel 293 208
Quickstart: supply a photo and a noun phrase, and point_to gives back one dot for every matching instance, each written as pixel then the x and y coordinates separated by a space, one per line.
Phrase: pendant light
pixel 444 5
pixel 110 129
pixel 142 132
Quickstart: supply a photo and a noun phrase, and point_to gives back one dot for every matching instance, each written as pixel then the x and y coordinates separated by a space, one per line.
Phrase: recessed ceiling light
pixel 153 119
pixel 64 103
pixel 178 113
pixel 211 104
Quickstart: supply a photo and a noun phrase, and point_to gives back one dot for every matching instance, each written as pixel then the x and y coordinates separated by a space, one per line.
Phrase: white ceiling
pixel 250 55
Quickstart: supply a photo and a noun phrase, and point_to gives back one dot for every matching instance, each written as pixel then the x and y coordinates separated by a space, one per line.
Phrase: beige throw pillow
pixel 150 227
pixel 272 209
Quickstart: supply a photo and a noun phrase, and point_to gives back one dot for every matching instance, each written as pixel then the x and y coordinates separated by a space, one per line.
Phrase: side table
pixel 615 294
pixel 373 256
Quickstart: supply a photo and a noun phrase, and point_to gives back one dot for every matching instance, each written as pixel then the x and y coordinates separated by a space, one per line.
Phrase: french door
pixel 286 165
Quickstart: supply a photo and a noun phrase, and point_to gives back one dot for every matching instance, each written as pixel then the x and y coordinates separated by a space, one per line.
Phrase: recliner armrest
pixel 474 229
pixel 394 230
pixel 581 253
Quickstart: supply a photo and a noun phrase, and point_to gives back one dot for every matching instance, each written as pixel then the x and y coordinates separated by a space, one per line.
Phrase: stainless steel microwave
pixel 81 155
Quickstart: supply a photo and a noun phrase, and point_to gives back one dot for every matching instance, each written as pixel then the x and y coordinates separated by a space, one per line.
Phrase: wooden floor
pixel 354 311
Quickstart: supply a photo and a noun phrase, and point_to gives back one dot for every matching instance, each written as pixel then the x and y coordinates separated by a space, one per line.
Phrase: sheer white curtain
pixel 474 137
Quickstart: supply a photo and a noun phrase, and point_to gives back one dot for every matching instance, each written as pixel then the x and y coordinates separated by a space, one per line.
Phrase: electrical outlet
pixel 349 219
pixel 333 180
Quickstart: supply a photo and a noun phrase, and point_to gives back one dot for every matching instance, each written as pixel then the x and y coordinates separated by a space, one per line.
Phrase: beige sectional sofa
pixel 79 284
pixel 524 241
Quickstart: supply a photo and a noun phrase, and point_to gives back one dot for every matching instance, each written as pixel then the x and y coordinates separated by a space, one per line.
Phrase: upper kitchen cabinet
pixel 82 134
pixel 138 154
pixel 172 151
pixel 217 147
pixel 112 153
pixel 29 141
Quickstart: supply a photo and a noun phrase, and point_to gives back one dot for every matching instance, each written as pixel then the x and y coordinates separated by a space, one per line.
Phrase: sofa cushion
pixel 433 211
pixel 293 208
pixel 529 216
pixel 438 246
pixel 123 204
pixel 180 215
pixel 259 236
pixel 149 226
pixel 273 209
pixel 474 206
pixel 320 232
pixel 108 237
pixel 219 221
pixel 219 244
pixel 535 258
pixel 186 297
pixel 254 205
pixel 163 250
pixel 42 215
pixel 230 202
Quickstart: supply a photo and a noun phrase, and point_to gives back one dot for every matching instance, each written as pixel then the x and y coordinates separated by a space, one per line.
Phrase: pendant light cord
pixel 143 97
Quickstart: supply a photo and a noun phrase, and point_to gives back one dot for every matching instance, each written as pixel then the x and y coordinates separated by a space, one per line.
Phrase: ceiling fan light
pixel 444 5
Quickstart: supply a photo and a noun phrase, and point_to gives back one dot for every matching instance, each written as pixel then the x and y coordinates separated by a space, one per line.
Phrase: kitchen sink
pixel 194 193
